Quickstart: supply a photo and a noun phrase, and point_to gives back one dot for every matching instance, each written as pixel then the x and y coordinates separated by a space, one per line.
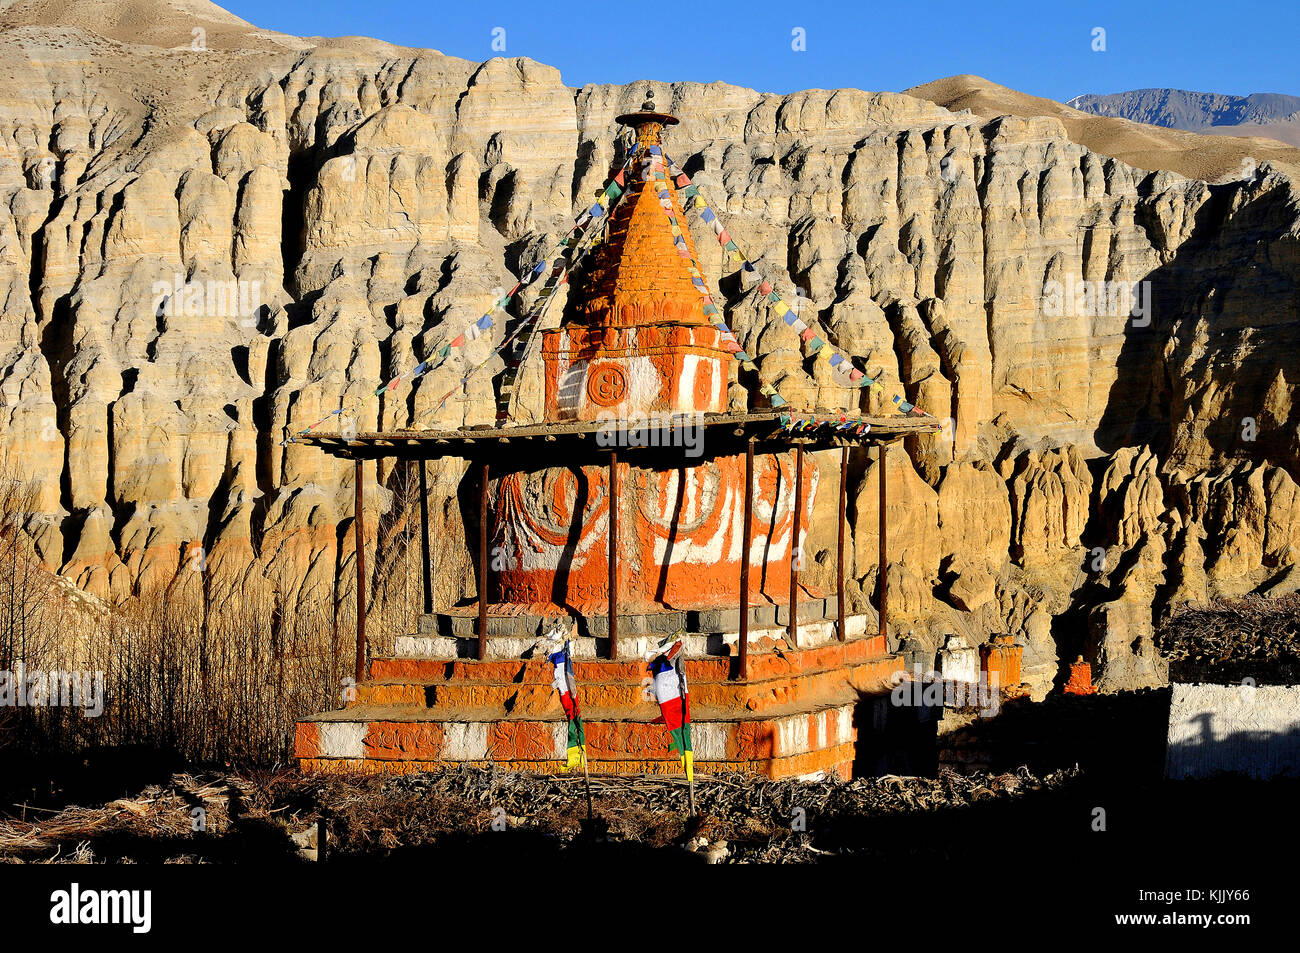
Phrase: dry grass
pixel 1254 639
pixel 203 670
pixel 208 685
pixel 270 815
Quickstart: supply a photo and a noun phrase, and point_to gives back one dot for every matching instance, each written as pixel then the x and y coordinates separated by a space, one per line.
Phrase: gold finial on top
pixel 648 122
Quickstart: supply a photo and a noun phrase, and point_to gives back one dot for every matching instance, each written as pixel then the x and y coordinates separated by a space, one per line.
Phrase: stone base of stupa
pixel 432 704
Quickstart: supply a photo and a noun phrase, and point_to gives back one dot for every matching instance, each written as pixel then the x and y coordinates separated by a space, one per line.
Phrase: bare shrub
pixel 212 667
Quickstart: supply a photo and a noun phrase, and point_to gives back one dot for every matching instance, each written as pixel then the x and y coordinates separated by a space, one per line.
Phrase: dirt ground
pixel 1072 781
pixel 1071 784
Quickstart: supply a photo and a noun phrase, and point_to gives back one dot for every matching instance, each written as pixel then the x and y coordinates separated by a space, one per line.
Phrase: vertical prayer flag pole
pixel 582 733
pixel 673 695
pixel 586 779
pixel 567 688
pixel 688 756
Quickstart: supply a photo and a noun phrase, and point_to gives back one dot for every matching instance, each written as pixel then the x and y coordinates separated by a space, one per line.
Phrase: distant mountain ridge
pixel 1264 114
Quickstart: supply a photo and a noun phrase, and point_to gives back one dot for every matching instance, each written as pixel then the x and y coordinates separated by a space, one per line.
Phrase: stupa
pixel 584 523
pixel 636 346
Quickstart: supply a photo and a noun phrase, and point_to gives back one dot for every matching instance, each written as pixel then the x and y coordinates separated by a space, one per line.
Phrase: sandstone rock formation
pixel 206 250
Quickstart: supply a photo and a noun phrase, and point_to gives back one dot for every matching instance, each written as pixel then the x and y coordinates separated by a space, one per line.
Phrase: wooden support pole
pixel 613 555
pixel 796 554
pixel 482 559
pixel 426 575
pixel 841 626
pixel 359 528
pixel 745 545
pixel 883 572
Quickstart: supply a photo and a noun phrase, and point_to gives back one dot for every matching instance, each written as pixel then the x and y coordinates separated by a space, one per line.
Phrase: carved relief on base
pixel 680 534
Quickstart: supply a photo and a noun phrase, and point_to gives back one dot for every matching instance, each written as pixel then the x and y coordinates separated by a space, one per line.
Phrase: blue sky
pixel 1043 48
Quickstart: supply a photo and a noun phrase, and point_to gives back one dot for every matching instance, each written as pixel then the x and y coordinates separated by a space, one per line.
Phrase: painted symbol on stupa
pixel 607 385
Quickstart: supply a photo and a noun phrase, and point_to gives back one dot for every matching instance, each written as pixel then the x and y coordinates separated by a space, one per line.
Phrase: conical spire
pixel 638 276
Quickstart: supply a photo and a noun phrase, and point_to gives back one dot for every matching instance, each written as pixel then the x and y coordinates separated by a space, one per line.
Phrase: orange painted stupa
pixel 636 346
pixel 622 553
pixel 1080 680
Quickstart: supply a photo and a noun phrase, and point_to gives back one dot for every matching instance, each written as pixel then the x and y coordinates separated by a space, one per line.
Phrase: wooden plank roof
pixel 665 439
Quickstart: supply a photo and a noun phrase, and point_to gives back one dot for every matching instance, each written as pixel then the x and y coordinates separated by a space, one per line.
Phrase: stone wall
pixel 1235 729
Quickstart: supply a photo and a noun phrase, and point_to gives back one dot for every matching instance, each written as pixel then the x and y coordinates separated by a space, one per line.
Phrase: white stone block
pixel 709 741
pixel 465 741
pixel 342 739
pixel 791 736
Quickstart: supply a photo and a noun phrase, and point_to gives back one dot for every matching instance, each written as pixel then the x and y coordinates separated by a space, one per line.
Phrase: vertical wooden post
pixel 482 559
pixel 841 627
pixel 745 545
pixel 792 629
pixel 883 571
pixel 359 527
pixel 426 575
pixel 613 555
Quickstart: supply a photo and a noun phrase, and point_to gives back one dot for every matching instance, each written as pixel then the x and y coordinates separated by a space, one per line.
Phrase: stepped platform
pixel 431 705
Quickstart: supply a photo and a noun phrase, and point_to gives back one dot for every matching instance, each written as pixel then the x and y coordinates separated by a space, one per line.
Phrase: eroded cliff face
pixel 360 202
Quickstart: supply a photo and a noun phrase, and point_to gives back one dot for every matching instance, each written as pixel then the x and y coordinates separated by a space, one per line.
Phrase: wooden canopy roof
pixel 675 440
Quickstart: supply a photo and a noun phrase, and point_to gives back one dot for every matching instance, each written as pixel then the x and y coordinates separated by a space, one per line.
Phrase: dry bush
pixel 217 685
pixel 212 668
pixel 29 614
pixel 26 637
pixel 1252 627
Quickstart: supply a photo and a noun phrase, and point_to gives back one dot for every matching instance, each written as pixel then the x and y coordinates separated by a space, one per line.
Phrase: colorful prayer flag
pixel 675 705
pixel 568 691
